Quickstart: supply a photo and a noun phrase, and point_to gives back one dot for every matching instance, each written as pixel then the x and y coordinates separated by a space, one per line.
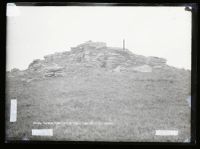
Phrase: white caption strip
pixel 166 132
pixel 13 110
pixel 42 132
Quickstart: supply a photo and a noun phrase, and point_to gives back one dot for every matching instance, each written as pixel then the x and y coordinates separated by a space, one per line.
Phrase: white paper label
pixel 42 132
pixel 167 132
pixel 13 110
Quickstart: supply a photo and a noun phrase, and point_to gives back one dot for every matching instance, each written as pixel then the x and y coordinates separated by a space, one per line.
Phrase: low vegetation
pixel 90 90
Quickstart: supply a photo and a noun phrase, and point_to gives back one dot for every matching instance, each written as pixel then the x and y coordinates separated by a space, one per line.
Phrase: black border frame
pixel 194 102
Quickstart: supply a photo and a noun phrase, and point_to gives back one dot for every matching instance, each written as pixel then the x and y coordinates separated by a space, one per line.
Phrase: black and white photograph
pixel 98 73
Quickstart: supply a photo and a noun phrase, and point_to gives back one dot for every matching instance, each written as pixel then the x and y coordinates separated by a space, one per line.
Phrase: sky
pixel 33 32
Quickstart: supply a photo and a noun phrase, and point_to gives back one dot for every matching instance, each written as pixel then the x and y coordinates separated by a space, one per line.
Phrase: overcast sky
pixel 33 32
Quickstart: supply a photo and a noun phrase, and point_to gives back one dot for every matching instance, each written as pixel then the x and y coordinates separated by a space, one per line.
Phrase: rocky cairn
pixel 96 83
pixel 90 55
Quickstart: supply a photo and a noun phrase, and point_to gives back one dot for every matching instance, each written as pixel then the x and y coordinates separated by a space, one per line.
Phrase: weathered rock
pixel 49 74
pixel 53 71
pixel 154 61
pixel 35 65
pixel 90 44
pixel 93 55
pixel 16 72
pixel 117 69
pixel 143 68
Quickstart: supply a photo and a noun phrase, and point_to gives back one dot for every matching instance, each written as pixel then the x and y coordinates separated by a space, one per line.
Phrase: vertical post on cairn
pixel 123 44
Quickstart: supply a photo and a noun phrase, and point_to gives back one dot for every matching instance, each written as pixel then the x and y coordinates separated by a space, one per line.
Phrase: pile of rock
pixel 52 57
pixel 15 72
pixel 90 44
pixel 142 68
pixel 114 61
pixel 54 71
pixel 119 69
pixel 35 65
pixel 95 55
pixel 156 61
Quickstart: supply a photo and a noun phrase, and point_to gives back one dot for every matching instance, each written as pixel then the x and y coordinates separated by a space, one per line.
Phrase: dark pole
pixel 123 44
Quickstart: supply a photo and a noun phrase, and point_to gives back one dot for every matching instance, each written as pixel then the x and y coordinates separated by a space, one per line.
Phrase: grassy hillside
pixel 99 104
